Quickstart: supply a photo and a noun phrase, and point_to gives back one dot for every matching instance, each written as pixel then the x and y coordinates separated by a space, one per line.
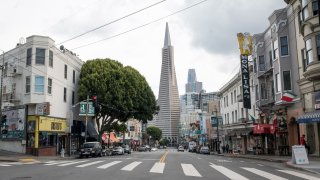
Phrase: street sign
pixel 83 109
pixel 214 121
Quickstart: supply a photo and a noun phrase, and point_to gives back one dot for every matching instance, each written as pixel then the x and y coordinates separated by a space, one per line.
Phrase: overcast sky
pixel 204 36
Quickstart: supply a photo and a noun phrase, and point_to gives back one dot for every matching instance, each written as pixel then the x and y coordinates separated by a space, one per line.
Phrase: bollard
pixel 62 152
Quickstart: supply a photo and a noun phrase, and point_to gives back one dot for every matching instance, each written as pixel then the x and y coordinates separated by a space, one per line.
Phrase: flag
pixel 252 118
pixel 288 97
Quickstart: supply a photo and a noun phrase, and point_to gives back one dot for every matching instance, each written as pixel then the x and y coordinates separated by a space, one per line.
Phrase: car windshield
pixel 88 145
pixel 205 148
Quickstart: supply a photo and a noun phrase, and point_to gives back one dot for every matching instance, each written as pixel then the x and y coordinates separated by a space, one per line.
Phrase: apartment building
pixel 305 21
pixel 39 88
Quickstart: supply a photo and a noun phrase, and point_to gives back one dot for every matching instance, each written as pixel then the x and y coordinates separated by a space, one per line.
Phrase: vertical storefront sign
pixel 245 75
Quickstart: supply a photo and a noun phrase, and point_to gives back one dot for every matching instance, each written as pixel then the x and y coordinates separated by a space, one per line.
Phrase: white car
pixel 154 149
pixel 180 148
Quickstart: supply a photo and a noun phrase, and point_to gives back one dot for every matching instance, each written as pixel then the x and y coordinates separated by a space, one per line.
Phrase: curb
pixel 300 168
pixel 255 158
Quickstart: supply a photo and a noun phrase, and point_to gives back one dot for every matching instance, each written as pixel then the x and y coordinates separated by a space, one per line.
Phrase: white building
pixel 39 89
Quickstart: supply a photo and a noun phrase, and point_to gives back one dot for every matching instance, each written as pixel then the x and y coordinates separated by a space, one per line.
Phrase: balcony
pixel 11 97
pixel 313 71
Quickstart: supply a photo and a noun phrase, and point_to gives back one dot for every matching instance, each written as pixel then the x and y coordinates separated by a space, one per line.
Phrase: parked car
pixel 106 151
pixel 148 148
pixel 126 149
pixel 142 148
pixel 154 149
pixel 204 150
pixel 117 151
pixel 92 149
pixel 180 148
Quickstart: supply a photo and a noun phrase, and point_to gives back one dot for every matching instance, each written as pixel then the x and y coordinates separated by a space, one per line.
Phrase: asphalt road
pixel 168 165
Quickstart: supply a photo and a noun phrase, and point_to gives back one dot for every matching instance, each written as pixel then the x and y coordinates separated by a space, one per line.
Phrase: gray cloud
pixel 214 24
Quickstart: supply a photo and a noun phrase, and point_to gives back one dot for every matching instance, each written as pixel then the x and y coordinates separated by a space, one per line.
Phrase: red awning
pixel 264 129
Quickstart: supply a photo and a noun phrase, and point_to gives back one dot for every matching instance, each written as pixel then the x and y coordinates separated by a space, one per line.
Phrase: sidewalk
pixel 7 156
pixel 313 166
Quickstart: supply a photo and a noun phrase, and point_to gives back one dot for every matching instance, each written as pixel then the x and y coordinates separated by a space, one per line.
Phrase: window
pixel 39 84
pixel 263 91
pixel 262 66
pixel 309 51
pixel 28 84
pixel 284 46
pixel 224 101
pixel 50 58
pixel 242 115
pixel 278 83
pixel 254 65
pixel 236 115
pixel 233 117
pixel 49 86
pixel 270 59
pixel 5 69
pixel 227 99
pixel 228 118
pixel 318 46
pixel 65 94
pixel 29 56
pixel 72 97
pixel 65 71
pixel 74 76
pixel 315 7
pixel 235 95
pixel 40 55
pixel 286 80
pixel 275 49
pixel 231 98
pixel 257 92
pixel 304 59
pixel 305 13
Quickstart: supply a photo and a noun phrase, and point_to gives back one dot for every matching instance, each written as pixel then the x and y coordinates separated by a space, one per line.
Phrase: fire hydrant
pixel 62 152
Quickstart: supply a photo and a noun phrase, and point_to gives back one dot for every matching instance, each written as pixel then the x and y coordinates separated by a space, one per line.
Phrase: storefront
pixel 46 135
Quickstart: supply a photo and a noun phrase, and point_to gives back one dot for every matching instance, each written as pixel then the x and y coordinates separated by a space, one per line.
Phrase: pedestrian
pixel 227 148
pixel 304 143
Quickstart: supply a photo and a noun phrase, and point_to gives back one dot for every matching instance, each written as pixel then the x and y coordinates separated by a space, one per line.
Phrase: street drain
pixel 25 177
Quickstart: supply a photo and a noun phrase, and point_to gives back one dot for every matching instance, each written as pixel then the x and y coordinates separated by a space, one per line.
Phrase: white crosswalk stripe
pixel 304 176
pixel 227 172
pixel 89 164
pixel 264 174
pixel 189 170
pixel 56 162
pixel 131 166
pixel 105 166
pixel 5 165
pixel 158 167
pixel 70 163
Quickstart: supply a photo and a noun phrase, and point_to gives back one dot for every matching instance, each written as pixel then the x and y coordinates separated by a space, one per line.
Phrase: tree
pixel 122 93
pixel 164 142
pixel 154 132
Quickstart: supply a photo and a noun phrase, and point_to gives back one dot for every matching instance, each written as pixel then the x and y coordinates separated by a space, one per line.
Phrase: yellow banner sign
pixel 52 124
pixel 245 43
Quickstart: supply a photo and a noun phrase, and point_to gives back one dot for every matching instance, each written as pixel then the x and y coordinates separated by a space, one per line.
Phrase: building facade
pixel 193 85
pixel 39 88
pixel 305 21
pixel 168 100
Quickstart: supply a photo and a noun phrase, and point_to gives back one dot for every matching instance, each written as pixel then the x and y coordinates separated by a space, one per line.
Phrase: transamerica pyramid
pixel 168 100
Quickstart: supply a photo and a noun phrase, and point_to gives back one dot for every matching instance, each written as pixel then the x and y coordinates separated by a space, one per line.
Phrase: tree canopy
pixel 154 132
pixel 122 93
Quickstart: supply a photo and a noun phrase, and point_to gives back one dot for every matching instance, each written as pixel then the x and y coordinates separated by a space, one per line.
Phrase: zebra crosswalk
pixel 191 170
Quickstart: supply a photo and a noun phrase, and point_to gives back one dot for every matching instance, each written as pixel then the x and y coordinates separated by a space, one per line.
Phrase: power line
pixel 111 22
pixel 141 26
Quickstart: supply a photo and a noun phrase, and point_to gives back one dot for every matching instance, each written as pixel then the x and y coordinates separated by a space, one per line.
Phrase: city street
pixel 161 164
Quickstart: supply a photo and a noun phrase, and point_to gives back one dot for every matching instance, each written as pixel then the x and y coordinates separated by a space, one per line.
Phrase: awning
pixel 264 129
pixel 310 117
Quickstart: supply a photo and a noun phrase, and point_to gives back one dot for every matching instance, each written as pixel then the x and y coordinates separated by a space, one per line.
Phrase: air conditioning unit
pixel 16 70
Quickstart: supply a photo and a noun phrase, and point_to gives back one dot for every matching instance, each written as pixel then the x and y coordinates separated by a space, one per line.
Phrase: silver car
pixel 117 151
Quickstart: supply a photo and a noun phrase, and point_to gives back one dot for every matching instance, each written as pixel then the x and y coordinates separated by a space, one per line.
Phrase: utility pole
pixel 87 105
pixel 2 68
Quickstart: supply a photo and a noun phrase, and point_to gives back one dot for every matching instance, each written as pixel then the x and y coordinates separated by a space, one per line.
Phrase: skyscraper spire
pixel 167 41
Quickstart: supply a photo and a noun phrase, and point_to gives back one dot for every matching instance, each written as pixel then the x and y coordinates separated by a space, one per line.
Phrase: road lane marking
pixel 158 167
pixel 89 164
pixel 227 172
pixel 198 158
pixel 305 176
pixel 131 166
pixel 5 165
pixel 57 162
pixel 163 157
pixel 70 163
pixel 242 161
pixel 264 174
pixel 260 165
pixel 105 166
pixel 189 170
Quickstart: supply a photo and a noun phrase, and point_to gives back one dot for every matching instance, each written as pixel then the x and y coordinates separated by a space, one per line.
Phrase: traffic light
pixel 95 100
pixel 4 121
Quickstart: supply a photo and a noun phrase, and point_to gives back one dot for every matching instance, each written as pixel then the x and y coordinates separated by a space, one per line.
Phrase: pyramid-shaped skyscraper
pixel 168 99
